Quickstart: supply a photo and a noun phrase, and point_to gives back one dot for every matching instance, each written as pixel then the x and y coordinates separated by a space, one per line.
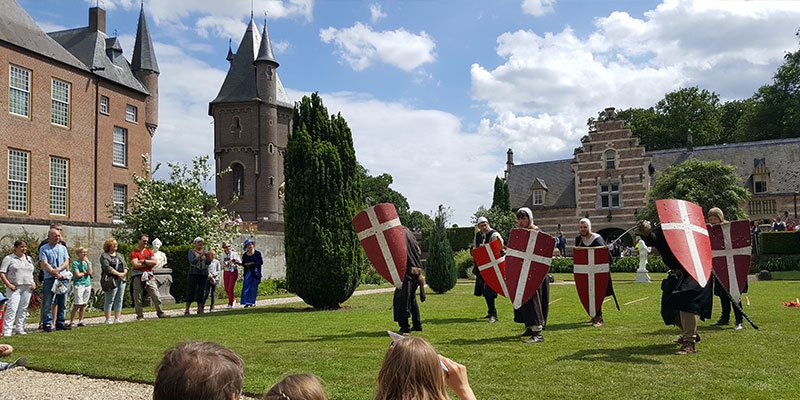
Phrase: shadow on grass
pixel 564 327
pixel 325 338
pixel 445 321
pixel 626 355
pixel 498 339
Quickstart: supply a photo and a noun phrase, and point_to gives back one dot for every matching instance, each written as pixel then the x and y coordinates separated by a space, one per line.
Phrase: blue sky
pixel 437 91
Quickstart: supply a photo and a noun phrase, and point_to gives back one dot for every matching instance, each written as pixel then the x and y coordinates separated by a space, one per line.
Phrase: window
pixel 610 157
pixel 131 113
pixel 19 91
pixel 104 105
pixel 59 94
pixel 759 183
pixel 18 180
pixel 538 197
pixel 120 147
pixel 120 195
pixel 59 189
pixel 237 176
pixel 609 195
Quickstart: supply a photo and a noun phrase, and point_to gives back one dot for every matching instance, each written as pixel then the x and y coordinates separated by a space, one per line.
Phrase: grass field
pixel 629 358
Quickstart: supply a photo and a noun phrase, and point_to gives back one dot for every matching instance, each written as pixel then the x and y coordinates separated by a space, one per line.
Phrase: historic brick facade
pixel 60 165
pixel 610 175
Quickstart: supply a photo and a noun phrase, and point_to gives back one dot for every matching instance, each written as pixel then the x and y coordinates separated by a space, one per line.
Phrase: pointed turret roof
pixel 240 83
pixel 144 56
pixel 265 50
pixel 230 52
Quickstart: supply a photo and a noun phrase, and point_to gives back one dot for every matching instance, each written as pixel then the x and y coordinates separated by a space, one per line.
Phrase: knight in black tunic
pixel 587 238
pixel 486 235
pixel 405 298
pixel 533 313
pixel 682 297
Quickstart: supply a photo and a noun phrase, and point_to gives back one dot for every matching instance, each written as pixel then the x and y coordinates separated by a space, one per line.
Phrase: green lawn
pixel 629 358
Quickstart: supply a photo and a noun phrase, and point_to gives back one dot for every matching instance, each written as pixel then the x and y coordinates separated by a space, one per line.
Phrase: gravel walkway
pixel 25 384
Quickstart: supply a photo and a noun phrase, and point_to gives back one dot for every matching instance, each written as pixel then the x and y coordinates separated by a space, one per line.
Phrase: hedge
pixel 464 264
pixel 786 242
pixel 775 263
pixel 460 238
pixel 178 261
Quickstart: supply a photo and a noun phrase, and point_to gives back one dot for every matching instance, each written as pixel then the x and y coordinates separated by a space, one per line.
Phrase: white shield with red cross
pixel 592 274
pixel 528 258
pixel 731 249
pixel 684 228
pixel 384 241
pixel 492 265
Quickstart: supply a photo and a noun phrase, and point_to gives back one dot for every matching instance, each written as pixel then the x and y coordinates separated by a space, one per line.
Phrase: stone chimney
pixel 97 19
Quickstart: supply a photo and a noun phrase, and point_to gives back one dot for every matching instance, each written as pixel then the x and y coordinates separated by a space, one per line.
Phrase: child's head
pixel 81 252
pixel 192 370
pixel 297 387
pixel 411 360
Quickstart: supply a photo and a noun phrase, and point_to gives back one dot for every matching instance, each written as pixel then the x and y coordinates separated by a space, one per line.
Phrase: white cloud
pixel 360 46
pixel 220 26
pixel 376 13
pixel 550 83
pixel 280 46
pixel 171 10
pixel 538 7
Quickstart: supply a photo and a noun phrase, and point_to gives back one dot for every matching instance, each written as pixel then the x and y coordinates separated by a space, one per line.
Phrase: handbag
pixel 107 283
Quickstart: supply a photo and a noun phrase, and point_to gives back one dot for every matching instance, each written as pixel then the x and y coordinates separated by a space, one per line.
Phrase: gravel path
pixel 25 384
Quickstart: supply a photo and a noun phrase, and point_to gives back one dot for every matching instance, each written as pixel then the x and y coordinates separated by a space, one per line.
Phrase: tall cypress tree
pixel 322 195
pixel 441 271
pixel 501 198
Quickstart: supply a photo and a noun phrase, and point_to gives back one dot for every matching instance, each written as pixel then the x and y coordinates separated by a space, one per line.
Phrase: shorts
pixel 81 295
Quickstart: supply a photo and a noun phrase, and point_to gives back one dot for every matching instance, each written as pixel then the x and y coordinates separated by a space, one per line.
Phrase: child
pixel 300 386
pixel 81 284
pixel 213 278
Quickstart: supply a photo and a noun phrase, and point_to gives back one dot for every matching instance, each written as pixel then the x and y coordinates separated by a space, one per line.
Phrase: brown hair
pixel 199 371
pixel 297 387
pixel 107 244
pixel 411 371
pixel 716 212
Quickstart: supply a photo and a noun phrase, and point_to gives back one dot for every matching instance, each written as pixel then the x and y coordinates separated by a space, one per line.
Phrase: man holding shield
pixel 405 298
pixel 486 235
pixel 587 238
pixel 533 313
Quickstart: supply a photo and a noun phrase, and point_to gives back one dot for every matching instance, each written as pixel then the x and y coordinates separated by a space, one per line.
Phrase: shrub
pixel 441 271
pixel 621 264
pixel 775 263
pixel 786 242
pixel 464 264
pixel 460 238
pixel 178 261
pixel 370 275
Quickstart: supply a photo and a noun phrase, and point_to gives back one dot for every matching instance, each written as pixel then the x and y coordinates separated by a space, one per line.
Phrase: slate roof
pixel 781 157
pixel 557 177
pixel 90 48
pixel 144 56
pixel 265 49
pixel 240 83
pixel 18 28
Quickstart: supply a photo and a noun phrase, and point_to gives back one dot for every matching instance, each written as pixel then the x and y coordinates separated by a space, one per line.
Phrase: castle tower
pixel 145 67
pixel 252 122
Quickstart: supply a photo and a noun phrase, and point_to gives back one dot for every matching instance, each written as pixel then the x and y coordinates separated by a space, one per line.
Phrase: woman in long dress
pixel 251 262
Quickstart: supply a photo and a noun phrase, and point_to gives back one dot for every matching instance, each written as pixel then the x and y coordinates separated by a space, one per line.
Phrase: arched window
pixel 610 158
pixel 236 126
pixel 271 181
pixel 237 179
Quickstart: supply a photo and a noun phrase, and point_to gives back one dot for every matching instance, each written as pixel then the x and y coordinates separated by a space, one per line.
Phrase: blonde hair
pixel 716 212
pixel 297 387
pixel 411 371
pixel 107 244
pixel 81 250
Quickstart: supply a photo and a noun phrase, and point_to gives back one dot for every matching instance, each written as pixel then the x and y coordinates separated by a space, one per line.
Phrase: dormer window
pixel 760 176
pixel 759 184
pixel 538 197
pixel 610 159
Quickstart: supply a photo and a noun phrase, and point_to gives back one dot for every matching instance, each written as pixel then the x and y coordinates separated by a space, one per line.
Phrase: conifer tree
pixel 441 272
pixel 501 198
pixel 323 255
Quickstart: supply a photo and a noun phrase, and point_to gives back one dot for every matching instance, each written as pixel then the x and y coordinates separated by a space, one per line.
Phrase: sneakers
pixel 20 332
pixel 20 362
pixel 80 323
pixel 528 332
pixel 536 338
pixel 109 322
pixel 738 327
pixel 487 316
pixel 119 321
pixel 47 328
pixel 687 348
pixel 721 322
pixel 492 320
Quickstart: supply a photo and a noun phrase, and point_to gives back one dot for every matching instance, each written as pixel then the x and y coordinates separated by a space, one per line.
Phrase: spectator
pixel 54 259
pixel 299 386
pixel 16 272
pixel 213 278
pixel 199 371
pixel 142 279
pixel 412 370
pixel 81 284
pixel 5 351
pixel 230 261
pixel 561 242
pixel 252 262
pixel 197 276
pixel 112 280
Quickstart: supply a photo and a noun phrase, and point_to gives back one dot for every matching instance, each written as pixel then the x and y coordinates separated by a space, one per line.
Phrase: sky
pixel 437 91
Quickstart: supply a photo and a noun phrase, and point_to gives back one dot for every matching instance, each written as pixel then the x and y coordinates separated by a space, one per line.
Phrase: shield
pixel 492 265
pixel 384 241
pixel 528 258
pixel 592 274
pixel 685 231
pixel 731 250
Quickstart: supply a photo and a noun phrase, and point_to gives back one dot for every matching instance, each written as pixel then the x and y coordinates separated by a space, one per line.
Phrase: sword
pixel 734 303
pixel 625 233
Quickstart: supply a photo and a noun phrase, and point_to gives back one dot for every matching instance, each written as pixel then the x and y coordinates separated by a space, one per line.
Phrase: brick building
pixel 252 121
pixel 75 117
pixel 608 179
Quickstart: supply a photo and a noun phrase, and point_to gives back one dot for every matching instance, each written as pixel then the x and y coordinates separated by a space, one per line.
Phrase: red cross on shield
pixel 731 250
pixel 592 274
pixel 384 241
pixel 528 258
pixel 492 265
pixel 685 231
